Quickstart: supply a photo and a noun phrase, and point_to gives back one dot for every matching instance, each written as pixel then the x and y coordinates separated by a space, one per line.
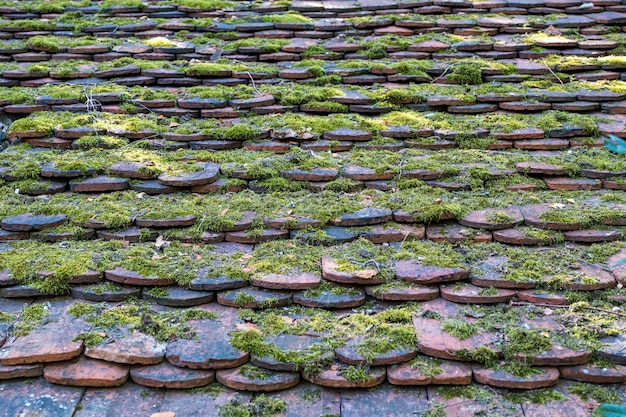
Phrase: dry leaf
pixel 248 326
pixel 551 30
pixel 223 213
pixel 157 257
pixel 164 414
pixel 571 200
pixel 288 320
pixel 366 273
pixel 161 242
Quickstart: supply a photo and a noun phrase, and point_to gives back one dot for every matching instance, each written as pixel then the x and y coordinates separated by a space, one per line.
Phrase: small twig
pixel 543 61
pixel 253 83
pixel 368 262
pixel 578 259
pixel 135 103
pixel 443 73
pixel 520 303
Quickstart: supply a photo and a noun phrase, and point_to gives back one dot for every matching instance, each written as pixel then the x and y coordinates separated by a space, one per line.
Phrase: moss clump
pixel 284 257
pixel 100 141
pixel 242 299
pixel 261 406
pixel 585 215
pixel 537 396
pixel 6 317
pixel 289 17
pixel 386 338
pixel 90 339
pixel 212 390
pixel 82 309
pixel 459 328
pixel 466 73
pixel 159 292
pixel 430 254
pixel 546 237
pixel 428 367
pixel 499 217
pixel 363 255
pixel 160 41
pixel 253 372
pixel 29 319
pixel 599 393
pixel 355 373
pixel 165 326
pixel 206 68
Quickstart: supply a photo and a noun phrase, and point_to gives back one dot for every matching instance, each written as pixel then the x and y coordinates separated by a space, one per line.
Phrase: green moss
pixel 50 43
pixel 330 106
pixel 6 317
pixel 261 406
pixel 204 4
pixel 482 354
pixel 81 309
pixel 125 3
pixel 430 253
pixel 212 390
pixel 355 373
pixel 281 257
pixel 159 41
pixel 90 339
pixel 197 314
pixel 100 141
pixel 437 409
pixel 289 17
pixel 159 292
pixel 559 119
pixel 29 319
pixel 469 392
pixel 387 338
pixel 242 299
pixel 459 328
pixel 206 68
pixel 27 169
pixel 428 367
pixel 538 396
pixel 164 326
pixel 546 237
pixel 253 372
pixel 599 393
pixel 267 46
pixel 466 73
pixel 251 341
pixel 311 395
pixel 584 215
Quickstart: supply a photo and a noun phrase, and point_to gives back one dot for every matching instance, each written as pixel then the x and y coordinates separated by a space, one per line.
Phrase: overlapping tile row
pixel 263 196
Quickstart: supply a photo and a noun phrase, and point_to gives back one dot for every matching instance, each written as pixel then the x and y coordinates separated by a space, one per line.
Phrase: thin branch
pixel 520 303
pixel 443 73
pixel 253 83
pixel 543 61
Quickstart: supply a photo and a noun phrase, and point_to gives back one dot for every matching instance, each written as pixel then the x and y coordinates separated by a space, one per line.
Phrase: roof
pixel 312 208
